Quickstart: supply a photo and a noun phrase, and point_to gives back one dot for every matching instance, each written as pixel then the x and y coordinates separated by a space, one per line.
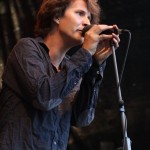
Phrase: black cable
pixel 125 58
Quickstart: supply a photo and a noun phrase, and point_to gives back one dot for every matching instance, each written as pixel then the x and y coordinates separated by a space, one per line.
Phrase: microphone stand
pixel 126 139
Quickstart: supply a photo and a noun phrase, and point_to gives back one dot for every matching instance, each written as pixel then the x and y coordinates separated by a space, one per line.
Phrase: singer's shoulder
pixel 26 44
pixel 26 40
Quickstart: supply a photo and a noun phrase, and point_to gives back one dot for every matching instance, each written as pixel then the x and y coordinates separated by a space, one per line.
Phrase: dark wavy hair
pixel 51 9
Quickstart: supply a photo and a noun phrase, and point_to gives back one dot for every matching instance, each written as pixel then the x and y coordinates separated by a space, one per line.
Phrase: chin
pixel 76 40
pixel 80 40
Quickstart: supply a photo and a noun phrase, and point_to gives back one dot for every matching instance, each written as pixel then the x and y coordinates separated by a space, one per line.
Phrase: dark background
pixel 17 19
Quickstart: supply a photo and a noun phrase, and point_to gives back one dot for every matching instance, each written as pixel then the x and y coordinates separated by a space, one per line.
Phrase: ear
pixel 56 20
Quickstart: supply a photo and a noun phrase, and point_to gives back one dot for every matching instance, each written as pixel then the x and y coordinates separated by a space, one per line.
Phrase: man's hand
pixel 99 44
pixel 104 48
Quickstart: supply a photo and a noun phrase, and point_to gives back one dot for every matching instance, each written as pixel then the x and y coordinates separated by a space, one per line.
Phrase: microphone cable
pixel 126 54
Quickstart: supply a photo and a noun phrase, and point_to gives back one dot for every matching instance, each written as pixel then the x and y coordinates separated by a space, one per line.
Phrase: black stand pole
pixel 126 140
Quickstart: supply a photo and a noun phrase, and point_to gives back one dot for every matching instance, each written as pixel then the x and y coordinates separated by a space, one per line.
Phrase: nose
pixel 86 21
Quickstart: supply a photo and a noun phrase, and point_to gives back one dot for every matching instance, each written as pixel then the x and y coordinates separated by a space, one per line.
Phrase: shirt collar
pixel 41 42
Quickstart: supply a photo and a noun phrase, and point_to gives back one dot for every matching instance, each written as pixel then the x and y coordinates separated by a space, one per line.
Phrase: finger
pixel 102 55
pixel 116 37
pixel 98 29
pixel 115 43
pixel 115 26
pixel 105 37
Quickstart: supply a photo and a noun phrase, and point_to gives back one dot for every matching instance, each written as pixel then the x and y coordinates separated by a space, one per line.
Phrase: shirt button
pixel 98 72
pixel 55 143
pixel 101 69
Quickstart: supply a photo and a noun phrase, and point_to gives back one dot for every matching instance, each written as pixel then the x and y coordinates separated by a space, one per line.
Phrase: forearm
pixel 84 108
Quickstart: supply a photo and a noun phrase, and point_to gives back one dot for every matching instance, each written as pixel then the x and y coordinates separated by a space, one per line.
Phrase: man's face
pixel 75 18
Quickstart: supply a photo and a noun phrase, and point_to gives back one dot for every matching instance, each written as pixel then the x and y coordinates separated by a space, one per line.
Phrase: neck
pixel 57 47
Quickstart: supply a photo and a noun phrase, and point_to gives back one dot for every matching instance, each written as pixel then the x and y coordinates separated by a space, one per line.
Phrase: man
pixel 45 91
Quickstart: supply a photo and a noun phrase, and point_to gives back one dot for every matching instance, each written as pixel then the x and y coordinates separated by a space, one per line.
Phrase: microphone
pixel 110 31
